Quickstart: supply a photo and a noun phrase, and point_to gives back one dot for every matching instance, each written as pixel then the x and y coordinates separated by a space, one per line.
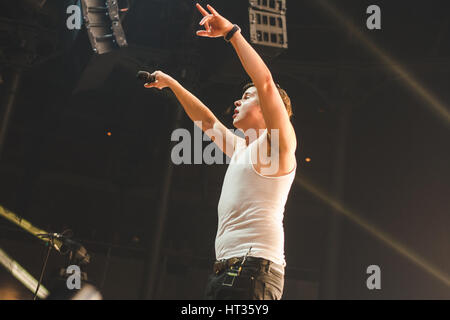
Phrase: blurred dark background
pixel 88 148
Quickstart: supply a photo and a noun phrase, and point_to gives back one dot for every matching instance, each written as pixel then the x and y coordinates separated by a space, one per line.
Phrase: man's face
pixel 247 112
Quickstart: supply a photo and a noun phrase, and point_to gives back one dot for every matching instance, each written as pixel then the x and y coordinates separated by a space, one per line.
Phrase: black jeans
pixel 257 281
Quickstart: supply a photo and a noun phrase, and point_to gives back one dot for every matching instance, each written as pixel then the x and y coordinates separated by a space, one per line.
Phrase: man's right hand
pixel 162 80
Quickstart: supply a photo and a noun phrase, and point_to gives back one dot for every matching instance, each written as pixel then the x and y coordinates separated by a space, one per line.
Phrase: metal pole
pixel 148 289
pixel 106 268
pixel 329 273
pixel 9 106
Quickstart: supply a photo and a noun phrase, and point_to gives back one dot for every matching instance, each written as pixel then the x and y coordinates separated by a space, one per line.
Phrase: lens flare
pixel 374 231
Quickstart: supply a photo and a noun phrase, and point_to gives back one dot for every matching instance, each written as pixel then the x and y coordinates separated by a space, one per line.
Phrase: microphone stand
pixel 78 253
pixel 50 244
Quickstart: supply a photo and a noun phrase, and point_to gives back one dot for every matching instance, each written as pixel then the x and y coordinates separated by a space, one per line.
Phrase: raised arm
pixel 274 112
pixel 197 111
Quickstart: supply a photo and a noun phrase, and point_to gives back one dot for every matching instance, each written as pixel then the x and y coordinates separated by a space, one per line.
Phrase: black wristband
pixel 232 32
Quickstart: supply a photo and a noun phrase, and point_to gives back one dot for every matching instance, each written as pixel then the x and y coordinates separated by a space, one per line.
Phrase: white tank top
pixel 251 209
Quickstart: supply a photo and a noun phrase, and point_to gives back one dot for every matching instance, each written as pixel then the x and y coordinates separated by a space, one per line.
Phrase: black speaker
pixel 103 24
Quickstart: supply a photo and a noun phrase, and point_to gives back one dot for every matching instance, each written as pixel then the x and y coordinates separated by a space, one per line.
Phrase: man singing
pixel 250 238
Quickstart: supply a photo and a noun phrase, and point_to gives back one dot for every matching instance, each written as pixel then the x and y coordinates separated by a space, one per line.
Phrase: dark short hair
pixel 283 94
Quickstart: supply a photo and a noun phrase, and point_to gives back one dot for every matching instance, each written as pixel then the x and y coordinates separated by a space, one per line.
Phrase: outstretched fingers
pixel 203 33
pixel 202 11
pixel 205 19
pixel 213 11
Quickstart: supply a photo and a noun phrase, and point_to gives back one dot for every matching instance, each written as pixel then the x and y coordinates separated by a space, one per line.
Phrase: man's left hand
pixel 215 25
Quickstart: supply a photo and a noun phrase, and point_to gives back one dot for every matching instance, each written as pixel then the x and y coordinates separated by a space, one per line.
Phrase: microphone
pixel 79 252
pixel 146 77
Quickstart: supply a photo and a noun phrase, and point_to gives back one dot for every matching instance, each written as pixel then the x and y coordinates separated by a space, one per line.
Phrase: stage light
pixel 87 292
pixel 308 159
pixel 9 293
pixel 22 275
pixel 268 23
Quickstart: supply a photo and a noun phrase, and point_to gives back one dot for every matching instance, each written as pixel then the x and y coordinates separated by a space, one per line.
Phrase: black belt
pixel 222 265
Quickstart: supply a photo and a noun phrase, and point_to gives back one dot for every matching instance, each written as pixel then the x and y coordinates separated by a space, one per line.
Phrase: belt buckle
pixel 234 271
pixel 232 261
